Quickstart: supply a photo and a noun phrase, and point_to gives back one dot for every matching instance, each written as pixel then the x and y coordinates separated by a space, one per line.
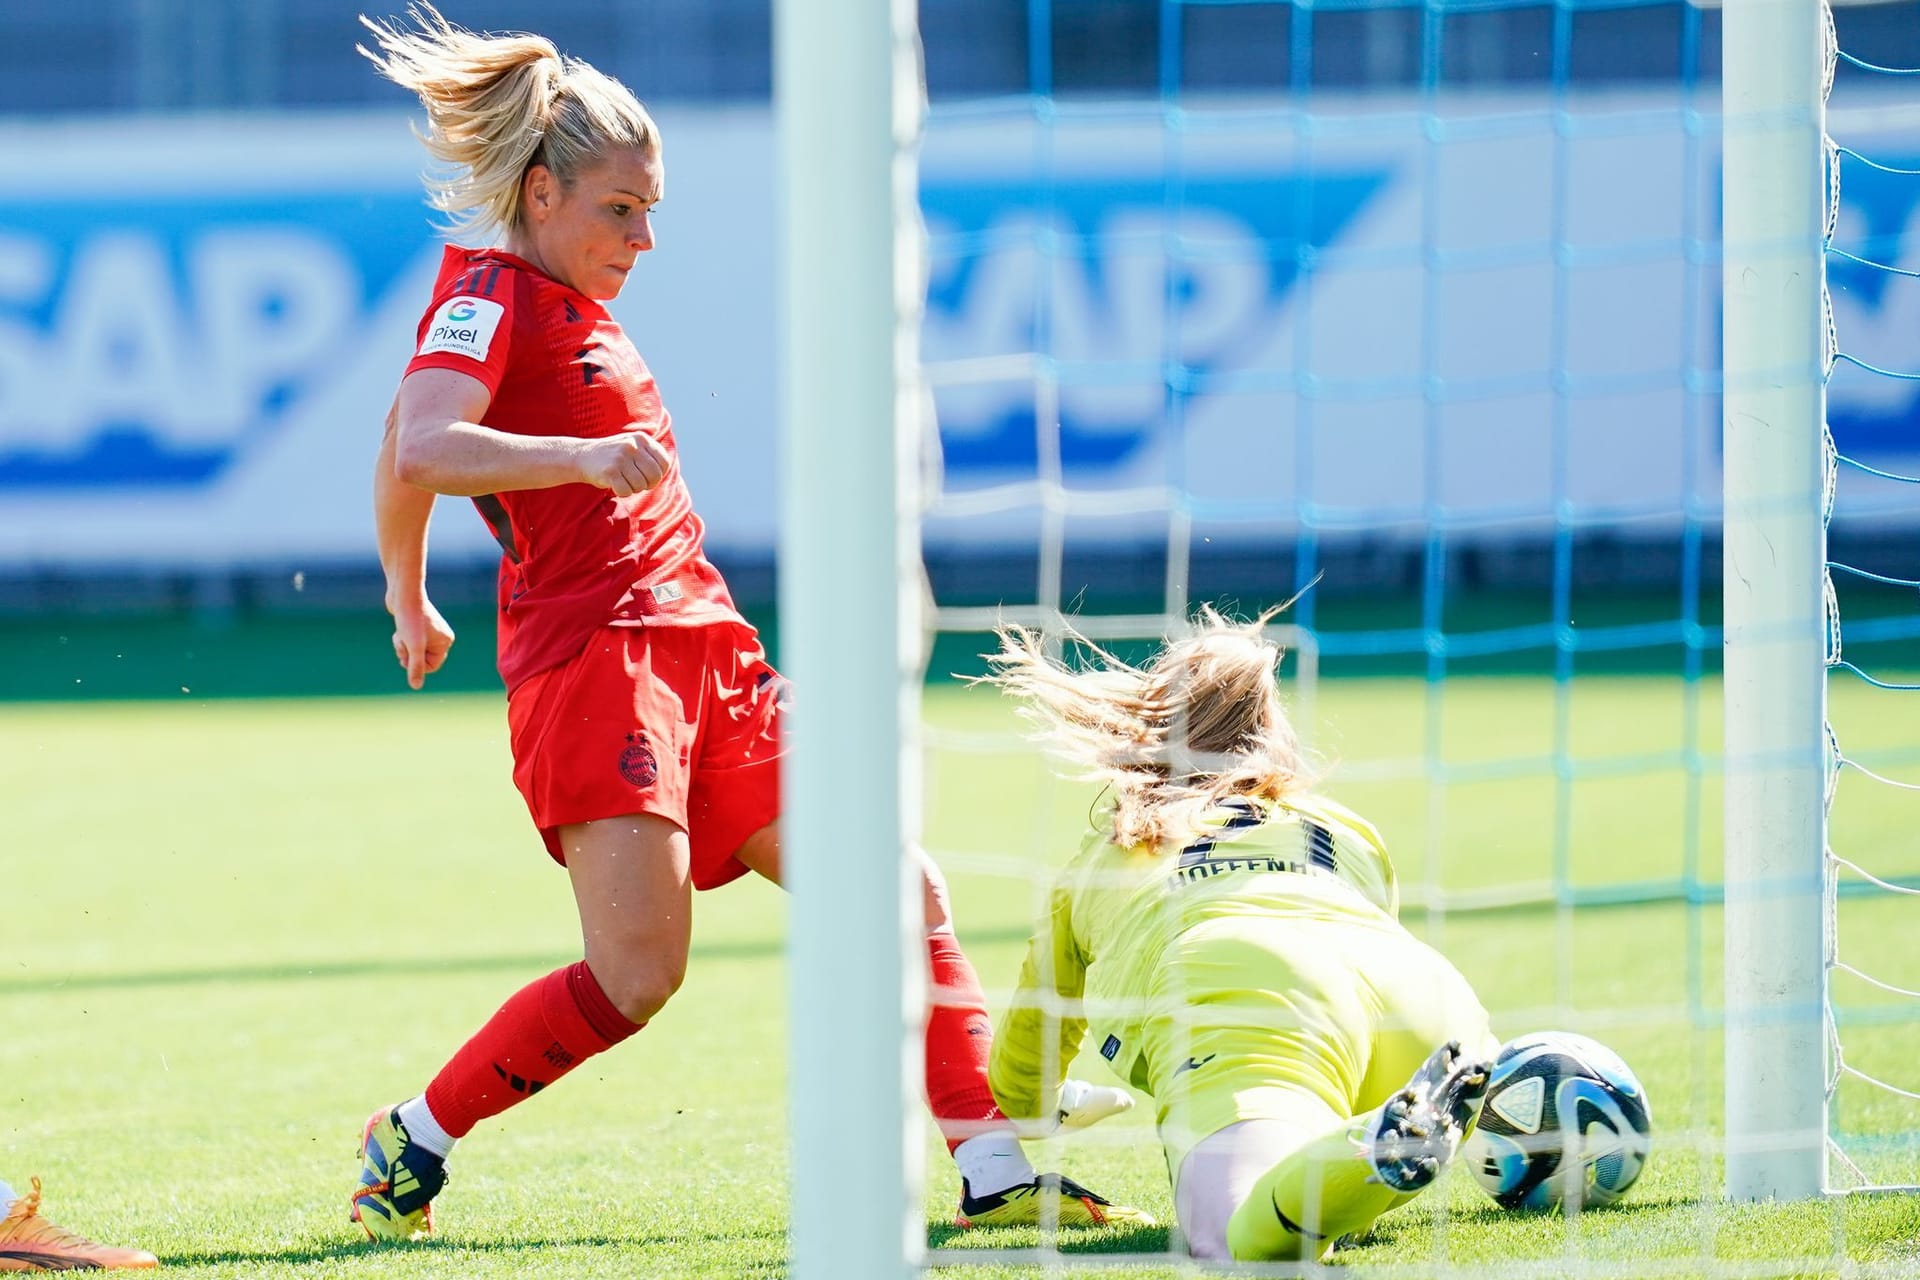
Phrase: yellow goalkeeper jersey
pixel 1261 964
pixel 1129 907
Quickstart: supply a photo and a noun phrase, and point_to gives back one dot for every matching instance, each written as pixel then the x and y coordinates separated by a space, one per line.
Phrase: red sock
pixel 959 1041
pixel 544 1030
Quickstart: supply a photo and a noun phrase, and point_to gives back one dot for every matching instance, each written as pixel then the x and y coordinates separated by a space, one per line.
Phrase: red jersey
pixel 576 557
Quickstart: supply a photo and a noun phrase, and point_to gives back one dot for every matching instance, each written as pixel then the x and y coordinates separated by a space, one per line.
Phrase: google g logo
pixel 461 311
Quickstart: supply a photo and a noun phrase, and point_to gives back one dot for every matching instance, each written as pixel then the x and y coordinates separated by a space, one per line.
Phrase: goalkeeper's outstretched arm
pixel 1053 978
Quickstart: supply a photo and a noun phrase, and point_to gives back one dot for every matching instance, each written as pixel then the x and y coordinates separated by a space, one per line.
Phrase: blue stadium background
pixel 155 55
pixel 218 59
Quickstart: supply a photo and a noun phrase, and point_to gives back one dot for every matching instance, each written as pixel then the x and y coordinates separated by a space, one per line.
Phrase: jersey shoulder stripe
pixel 1336 817
pixel 482 278
pixel 1320 848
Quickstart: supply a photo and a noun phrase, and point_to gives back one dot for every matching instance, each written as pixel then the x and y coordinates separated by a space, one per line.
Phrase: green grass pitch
pixel 230 929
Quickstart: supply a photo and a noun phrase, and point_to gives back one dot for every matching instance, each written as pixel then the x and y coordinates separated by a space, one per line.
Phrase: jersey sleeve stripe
pixel 1320 847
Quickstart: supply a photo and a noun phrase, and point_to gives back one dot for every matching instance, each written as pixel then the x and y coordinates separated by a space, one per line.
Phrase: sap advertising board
pixel 1371 320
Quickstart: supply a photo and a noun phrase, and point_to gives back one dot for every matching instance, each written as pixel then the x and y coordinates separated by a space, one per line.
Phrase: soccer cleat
pixel 1421 1126
pixel 28 1242
pixel 398 1181
pixel 1024 1205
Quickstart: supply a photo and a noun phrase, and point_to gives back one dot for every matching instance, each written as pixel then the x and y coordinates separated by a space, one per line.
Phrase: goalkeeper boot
pixel 1029 1203
pixel 28 1242
pixel 398 1180
pixel 1421 1127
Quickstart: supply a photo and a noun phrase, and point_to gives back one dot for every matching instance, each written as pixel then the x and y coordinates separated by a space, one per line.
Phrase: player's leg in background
pixel 737 783
pixel 630 884
pixel 1000 1185
pixel 958 1047
pixel 738 779
pixel 959 1036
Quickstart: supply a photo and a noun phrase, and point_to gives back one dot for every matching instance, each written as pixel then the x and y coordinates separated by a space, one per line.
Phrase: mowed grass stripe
pixel 231 929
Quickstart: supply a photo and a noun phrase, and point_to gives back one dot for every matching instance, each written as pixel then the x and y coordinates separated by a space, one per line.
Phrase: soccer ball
pixel 1565 1121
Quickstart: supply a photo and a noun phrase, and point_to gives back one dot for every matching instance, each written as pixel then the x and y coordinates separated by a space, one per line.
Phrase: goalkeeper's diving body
pixel 1232 939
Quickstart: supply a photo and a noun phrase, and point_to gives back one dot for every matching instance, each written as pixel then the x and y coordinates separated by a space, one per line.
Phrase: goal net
pixel 1413 314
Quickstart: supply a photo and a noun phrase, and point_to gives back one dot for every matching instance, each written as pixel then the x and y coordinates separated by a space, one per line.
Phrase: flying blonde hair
pixel 1200 723
pixel 496 105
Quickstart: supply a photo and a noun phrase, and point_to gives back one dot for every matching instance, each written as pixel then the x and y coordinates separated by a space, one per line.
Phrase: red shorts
pixel 679 722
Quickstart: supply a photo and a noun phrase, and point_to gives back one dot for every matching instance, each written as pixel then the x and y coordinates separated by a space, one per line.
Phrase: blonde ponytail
pixel 1201 722
pixel 498 104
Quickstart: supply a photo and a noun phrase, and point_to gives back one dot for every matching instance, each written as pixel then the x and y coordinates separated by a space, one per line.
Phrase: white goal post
pixel 848 104
pixel 1773 85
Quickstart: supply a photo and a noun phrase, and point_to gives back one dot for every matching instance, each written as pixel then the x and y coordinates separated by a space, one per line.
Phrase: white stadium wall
pixel 202 321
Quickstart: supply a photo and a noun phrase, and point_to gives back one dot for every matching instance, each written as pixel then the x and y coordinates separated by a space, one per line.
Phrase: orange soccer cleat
pixel 28 1242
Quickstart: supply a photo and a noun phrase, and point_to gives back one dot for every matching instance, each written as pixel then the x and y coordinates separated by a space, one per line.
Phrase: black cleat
pixel 1421 1126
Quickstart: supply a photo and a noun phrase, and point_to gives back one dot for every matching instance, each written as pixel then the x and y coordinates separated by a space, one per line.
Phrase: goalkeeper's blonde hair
pixel 1200 723
pixel 496 106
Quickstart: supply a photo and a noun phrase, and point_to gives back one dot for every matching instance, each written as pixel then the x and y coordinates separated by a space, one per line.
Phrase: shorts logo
pixel 463 327
pixel 637 763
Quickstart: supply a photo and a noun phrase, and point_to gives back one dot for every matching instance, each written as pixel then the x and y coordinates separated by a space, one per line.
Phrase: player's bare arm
pixel 441 446
pixel 421 636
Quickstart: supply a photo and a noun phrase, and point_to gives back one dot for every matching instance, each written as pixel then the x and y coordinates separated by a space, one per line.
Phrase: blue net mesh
pixel 1433 352
pixel 1410 313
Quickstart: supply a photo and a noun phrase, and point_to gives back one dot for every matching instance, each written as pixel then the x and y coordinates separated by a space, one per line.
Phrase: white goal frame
pixel 849 104
pixel 1773 87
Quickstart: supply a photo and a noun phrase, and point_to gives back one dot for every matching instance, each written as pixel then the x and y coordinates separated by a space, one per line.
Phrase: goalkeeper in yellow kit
pixel 1232 939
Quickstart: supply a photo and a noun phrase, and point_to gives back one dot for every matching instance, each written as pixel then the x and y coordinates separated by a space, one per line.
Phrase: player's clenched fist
pixel 628 463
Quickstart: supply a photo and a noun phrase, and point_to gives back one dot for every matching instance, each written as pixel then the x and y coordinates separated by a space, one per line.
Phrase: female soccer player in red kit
pixel 644 719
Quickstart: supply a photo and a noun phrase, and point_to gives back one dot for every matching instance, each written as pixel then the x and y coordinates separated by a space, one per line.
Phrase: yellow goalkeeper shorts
pixel 1340 1006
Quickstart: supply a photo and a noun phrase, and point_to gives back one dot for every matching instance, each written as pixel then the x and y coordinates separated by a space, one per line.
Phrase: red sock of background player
pixel 544 1030
pixel 959 1042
